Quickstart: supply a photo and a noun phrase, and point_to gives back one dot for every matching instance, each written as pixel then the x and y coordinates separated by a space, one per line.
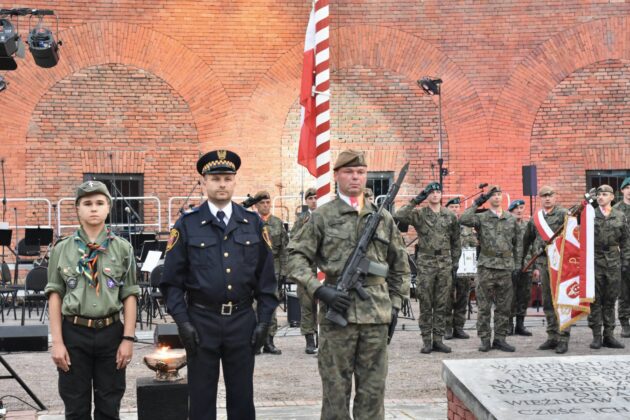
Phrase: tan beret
pixel 310 193
pixel 348 158
pixel 545 190
pixel 605 188
pixel 262 195
pixel 91 188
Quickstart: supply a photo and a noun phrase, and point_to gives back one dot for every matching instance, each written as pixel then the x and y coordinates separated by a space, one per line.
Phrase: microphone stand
pixel 114 210
pixel 4 203
pixel 17 249
pixel 181 209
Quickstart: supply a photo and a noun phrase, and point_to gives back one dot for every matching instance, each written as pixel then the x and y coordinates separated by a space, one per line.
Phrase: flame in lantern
pixel 163 350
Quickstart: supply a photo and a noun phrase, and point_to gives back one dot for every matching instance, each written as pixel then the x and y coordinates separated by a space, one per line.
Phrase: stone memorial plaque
pixel 576 387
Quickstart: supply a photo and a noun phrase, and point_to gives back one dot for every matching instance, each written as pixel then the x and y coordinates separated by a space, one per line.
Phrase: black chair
pixel 34 285
pixel 155 296
pixel 7 289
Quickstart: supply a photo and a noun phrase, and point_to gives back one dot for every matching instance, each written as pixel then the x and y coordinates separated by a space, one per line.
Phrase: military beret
pixel 367 192
pixel 514 204
pixel 625 183
pixel 605 188
pixel 310 193
pixel 91 188
pixel 348 158
pixel 455 200
pixel 262 195
pixel 218 162
pixel 433 186
pixel 545 190
pixel 496 188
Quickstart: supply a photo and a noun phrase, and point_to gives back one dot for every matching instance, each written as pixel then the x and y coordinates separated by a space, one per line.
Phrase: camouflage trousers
pixel 493 284
pixel 307 314
pixel 607 281
pixel 359 351
pixel 624 297
pixel 434 287
pixel 457 306
pixel 522 287
pixel 553 327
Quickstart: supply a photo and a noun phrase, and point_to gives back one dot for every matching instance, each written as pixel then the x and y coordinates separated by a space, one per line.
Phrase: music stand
pixel 139 239
pixel 152 246
pixel 38 236
pixel 5 237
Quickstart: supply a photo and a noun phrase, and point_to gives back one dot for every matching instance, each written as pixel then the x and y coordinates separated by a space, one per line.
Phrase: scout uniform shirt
pixel 81 294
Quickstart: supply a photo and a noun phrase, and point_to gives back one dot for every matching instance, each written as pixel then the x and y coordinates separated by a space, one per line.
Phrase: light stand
pixel 433 87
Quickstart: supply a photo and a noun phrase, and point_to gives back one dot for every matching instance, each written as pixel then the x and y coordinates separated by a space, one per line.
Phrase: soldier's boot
pixel 438 345
pixel 520 327
pixel 501 344
pixel 270 348
pixel 311 348
pixel 448 334
pixel 460 333
pixel 427 346
pixel 511 326
pixel 485 345
pixel 625 328
pixel 612 343
pixel 562 347
pixel 597 342
pixel 550 344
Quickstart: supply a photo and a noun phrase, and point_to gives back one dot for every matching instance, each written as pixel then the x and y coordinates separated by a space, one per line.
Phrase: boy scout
pixel 359 349
pixel 438 252
pixel 91 278
pixel 218 260
pixel 624 296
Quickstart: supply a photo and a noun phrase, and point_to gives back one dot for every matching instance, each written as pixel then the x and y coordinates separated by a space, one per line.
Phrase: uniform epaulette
pixel 250 212
pixel 61 239
pixel 191 211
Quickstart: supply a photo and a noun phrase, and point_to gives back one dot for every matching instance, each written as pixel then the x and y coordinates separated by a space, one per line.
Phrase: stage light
pixel 8 45
pixel 41 41
pixel 430 86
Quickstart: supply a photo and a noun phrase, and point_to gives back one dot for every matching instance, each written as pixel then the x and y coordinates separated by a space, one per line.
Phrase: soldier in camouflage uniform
pixel 279 240
pixel 624 296
pixel 308 310
pixel 359 349
pixel 534 244
pixel 612 251
pixel 437 257
pixel 457 305
pixel 521 282
pixel 499 257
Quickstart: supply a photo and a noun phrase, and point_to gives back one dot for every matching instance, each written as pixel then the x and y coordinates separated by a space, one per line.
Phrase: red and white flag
pixel 314 145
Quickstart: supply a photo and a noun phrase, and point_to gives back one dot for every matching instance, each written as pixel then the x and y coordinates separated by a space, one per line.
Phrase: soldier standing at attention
pixel 279 240
pixel 624 296
pixel 539 229
pixel 437 259
pixel 308 310
pixel 91 278
pixel 521 282
pixel 217 261
pixel 499 256
pixel 460 291
pixel 359 349
pixel 612 251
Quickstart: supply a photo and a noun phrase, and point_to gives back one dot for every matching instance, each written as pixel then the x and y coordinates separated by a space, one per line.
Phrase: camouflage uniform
pixel 534 244
pixel 360 348
pixel 499 254
pixel 307 321
pixel 624 295
pixel 612 250
pixel 460 290
pixel 279 240
pixel 438 252
pixel 522 285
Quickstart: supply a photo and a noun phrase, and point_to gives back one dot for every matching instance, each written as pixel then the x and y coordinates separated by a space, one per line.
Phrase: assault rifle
pixel 358 265
pixel 250 201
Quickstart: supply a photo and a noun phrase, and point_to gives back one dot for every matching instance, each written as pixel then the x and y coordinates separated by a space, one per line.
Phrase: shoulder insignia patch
pixel 172 239
pixel 266 236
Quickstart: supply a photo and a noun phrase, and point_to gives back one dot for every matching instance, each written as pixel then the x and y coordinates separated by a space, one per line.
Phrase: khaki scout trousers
pixel 553 327
pixel 493 284
pixel 358 350
pixel 307 317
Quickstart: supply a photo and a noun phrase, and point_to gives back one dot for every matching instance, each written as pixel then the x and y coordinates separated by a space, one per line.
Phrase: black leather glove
pixel 392 325
pixel 189 337
pixel 335 299
pixel 484 197
pixel 420 197
pixel 259 336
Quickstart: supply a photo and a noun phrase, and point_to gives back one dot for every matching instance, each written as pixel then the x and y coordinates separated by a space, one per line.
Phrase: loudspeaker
pixel 530 180
pixel 162 400
pixel 293 309
pixel 166 335
pixel 24 338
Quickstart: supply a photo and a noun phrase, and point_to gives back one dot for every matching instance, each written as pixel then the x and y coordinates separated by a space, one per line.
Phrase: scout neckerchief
pixel 89 258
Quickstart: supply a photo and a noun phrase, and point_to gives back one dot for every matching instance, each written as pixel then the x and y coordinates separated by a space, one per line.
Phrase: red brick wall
pixel 457 410
pixel 230 72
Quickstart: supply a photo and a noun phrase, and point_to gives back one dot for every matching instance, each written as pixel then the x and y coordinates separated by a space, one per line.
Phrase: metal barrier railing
pixel 194 199
pixel 23 217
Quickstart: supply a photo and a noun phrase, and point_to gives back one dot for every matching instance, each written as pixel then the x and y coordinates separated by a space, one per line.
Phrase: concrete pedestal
pixel 162 400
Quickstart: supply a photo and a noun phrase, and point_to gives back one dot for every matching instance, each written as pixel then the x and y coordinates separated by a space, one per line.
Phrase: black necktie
pixel 221 216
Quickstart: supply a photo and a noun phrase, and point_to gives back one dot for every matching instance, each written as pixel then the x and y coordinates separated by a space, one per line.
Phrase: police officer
pixel 521 282
pixel 437 258
pixel 308 309
pixel 457 305
pixel 612 251
pixel 359 349
pixel 542 225
pixel 279 240
pixel 624 296
pixel 91 278
pixel 217 261
pixel 499 257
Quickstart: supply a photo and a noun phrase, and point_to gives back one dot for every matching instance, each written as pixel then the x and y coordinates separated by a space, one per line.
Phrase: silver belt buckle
pixel 99 323
pixel 226 309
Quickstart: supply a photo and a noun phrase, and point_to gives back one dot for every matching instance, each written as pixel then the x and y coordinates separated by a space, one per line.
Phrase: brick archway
pixel 109 42
pixel 538 74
